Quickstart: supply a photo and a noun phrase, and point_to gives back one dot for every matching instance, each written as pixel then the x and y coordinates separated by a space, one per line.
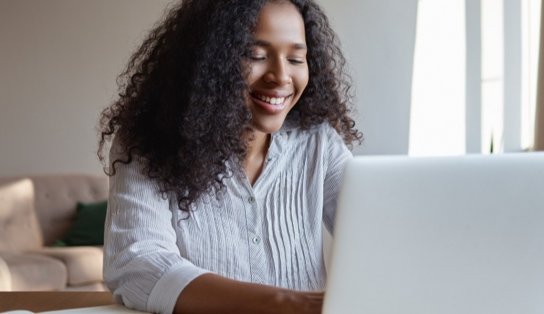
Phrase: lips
pixel 271 103
pixel 270 100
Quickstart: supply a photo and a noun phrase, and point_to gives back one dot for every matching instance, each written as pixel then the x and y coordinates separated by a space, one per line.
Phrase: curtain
pixel 539 123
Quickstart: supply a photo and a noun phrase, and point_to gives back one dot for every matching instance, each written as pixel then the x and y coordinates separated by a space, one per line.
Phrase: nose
pixel 278 73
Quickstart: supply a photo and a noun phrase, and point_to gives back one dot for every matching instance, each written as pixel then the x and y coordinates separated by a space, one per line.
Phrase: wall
pixel 378 38
pixel 59 60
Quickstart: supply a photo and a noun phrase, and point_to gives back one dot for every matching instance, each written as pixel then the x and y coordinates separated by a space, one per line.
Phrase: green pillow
pixel 88 227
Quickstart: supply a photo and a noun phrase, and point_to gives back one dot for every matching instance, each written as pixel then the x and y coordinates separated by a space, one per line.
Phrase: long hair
pixel 181 109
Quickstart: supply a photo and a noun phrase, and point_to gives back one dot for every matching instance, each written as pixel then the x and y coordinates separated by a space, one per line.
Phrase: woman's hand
pixel 213 294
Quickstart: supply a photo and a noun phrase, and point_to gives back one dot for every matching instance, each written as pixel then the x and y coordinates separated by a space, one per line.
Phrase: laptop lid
pixel 439 235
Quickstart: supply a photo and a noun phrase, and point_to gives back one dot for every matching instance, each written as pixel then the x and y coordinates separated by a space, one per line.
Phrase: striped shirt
pixel 269 233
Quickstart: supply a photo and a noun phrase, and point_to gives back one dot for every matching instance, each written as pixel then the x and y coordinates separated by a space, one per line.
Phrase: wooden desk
pixel 50 301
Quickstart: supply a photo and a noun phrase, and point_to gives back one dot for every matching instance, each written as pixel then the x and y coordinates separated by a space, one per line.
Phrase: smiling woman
pixel 228 145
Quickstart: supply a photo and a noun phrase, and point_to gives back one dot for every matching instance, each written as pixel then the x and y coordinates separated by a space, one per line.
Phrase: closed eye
pixel 296 61
pixel 257 58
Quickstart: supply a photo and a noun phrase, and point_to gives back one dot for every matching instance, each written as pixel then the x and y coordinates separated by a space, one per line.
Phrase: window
pixel 474 81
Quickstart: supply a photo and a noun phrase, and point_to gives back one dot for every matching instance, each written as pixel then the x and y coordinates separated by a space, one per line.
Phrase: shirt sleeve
pixel 142 264
pixel 337 155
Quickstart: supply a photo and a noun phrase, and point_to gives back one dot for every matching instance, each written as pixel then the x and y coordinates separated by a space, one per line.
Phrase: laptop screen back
pixel 439 235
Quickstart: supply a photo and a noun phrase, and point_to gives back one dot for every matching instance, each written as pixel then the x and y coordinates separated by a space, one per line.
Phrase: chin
pixel 268 127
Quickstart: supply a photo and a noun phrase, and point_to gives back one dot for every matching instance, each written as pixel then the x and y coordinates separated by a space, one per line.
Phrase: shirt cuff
pixel 164 295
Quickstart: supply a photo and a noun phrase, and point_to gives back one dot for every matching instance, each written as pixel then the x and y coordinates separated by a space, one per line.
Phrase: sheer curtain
pixel 539 124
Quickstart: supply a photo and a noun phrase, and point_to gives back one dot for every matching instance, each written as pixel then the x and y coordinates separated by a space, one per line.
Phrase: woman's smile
pixel 271 102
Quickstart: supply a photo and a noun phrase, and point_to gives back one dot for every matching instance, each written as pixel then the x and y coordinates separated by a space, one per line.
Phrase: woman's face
pixel 278 72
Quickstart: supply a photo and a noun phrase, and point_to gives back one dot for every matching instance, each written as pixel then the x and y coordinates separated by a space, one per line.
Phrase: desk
pixel 52 300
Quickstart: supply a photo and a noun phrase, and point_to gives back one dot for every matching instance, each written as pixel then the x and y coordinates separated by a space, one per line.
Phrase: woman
pixel 230 140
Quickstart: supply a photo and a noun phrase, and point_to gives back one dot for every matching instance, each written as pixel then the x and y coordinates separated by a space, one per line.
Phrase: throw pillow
pixel 88 227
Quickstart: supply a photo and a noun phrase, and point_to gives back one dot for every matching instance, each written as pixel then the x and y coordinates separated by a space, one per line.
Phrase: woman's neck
pixel 257 149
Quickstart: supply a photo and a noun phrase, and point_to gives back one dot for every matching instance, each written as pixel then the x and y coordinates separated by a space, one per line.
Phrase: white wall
pixel 378 37
pixel 58 64
pixel 59 60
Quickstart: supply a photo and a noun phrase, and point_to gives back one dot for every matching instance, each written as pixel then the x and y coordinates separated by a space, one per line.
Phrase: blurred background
pixel 432 77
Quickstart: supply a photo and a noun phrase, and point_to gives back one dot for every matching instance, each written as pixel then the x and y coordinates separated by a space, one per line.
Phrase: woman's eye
pixel 257 58
pixel 296 61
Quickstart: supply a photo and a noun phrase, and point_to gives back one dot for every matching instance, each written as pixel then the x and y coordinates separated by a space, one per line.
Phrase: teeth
pixel 271 100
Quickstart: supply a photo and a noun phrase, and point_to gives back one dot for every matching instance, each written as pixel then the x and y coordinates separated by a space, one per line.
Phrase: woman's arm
pixel 142 264
pixel 213 294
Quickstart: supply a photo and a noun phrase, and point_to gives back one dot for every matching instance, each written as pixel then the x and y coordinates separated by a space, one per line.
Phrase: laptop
pixel 439 235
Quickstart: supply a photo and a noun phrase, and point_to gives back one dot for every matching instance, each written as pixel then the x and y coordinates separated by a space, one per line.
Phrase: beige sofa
pixel 35 211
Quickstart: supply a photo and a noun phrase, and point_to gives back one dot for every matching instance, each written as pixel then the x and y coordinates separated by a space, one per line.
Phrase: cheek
pixel 255 73
pixel 250 78
pixel 302 80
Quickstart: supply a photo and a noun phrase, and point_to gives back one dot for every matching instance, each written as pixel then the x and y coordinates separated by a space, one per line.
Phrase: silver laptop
pixel 439 235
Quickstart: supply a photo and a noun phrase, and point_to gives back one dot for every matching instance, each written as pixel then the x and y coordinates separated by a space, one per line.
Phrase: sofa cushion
pixel 19 228
pixel 33 272
pixel 83 263
pixel 56 197
pixel 5 276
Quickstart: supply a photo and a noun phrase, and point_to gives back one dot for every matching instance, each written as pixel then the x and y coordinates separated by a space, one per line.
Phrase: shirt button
pixel 256 240
pixel 251 199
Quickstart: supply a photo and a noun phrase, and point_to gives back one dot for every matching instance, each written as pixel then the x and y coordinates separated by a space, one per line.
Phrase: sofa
pixel 36 212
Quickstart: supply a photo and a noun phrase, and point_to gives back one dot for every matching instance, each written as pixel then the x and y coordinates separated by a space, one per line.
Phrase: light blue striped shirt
pixel 269 233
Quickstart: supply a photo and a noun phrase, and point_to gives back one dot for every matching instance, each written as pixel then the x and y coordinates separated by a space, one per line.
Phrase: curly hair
pixel 167 114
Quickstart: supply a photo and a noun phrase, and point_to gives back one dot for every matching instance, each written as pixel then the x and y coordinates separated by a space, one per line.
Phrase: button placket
pixel 256 240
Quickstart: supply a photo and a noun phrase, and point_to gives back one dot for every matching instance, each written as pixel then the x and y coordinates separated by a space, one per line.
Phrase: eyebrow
pixel 264 43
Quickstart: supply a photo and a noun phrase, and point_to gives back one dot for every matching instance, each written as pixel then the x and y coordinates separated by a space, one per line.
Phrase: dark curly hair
pixel 167 114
